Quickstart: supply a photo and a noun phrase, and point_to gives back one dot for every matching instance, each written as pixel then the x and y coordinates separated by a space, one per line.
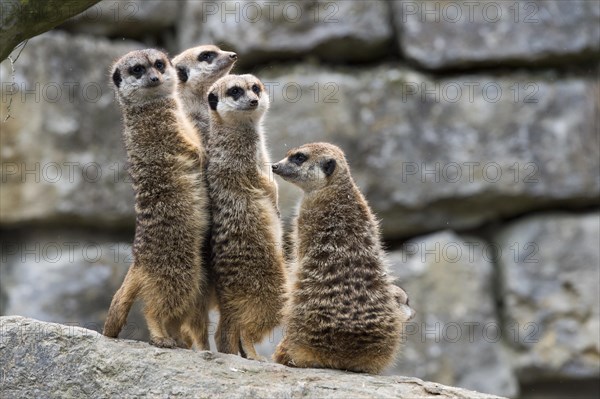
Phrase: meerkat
pixel 248 259
pixel 164 156
pixel 197 69
pixel 343 311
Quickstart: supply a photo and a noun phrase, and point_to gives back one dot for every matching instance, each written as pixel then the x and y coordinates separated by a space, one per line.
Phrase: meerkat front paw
pixel 401 298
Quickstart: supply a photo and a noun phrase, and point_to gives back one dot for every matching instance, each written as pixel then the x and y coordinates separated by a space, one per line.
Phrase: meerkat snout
pixel 154 80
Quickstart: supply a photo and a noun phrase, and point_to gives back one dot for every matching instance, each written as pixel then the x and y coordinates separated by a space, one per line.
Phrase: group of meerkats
pixel 208 230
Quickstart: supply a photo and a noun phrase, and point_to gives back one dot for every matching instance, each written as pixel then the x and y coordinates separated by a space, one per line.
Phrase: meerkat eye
pixel 298 158
pixel 207 56
pixel 235 92
pixel 255 89
pixel 137 70
pixel 160 65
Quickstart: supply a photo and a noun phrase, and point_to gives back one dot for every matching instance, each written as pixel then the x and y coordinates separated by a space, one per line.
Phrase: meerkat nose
pixel 254 103
pixel 233 56
pixel 275 166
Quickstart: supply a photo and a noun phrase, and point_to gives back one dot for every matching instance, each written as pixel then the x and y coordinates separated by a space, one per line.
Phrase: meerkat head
pixel 199 67
pixel 143 76
pixel 312 166
pixel 238 98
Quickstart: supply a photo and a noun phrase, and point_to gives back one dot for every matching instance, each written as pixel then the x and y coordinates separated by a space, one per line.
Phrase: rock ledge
pixel 49 359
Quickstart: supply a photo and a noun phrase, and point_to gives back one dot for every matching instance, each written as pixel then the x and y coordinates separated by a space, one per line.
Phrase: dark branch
pixel 23 19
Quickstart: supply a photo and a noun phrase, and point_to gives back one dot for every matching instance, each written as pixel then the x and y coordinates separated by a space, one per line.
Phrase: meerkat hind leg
pixel 158 333
pixel 227 336
pixel 173 328
pixel 197 326
pixel 247 346
pixel 242 352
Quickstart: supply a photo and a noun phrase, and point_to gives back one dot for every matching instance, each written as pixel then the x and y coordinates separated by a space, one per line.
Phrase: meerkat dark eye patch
pixel 207 56
pixel 182 74
pixel 328 167
pixel 160 65
pixel 213 100
pixel 256 89
pixel 137 70
pixel 235 92
pixel 298 158
pixel 117 79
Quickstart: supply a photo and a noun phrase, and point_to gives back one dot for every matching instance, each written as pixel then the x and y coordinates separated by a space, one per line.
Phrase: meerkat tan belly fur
pixel 165 157
pixel 343 310
pixel 247 255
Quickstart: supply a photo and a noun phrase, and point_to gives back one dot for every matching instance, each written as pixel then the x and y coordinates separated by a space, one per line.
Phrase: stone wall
pixel 472 128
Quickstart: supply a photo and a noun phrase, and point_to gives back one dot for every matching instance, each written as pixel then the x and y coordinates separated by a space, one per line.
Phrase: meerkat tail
pixel 121 303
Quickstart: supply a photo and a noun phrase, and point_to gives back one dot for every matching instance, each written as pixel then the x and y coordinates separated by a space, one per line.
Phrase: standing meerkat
pixel 247 255
pixel 164 157
pixel 198 69
pixel 343 311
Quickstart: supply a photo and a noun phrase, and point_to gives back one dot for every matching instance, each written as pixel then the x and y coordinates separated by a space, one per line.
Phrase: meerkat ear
pixel 328 167
pixel 117 79
pixel 213 100
pixel 182 73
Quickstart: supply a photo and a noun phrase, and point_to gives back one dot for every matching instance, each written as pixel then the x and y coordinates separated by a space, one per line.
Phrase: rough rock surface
pixel 551 295
pixel 449 279
pixel 130 18
pixel 62 151
pixel 444 153
pixel 454 34
pixel 55 360
pixel 67 276
pixel 264 31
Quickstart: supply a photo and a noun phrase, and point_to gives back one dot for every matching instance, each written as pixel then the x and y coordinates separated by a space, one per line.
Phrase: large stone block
pixel 450 283
pixel 63 157
pixel 550 292
pixel 262 31
pixel 447 152
pixel 428 153
pixel 66 276
pixel 438 34
pixel 128 18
